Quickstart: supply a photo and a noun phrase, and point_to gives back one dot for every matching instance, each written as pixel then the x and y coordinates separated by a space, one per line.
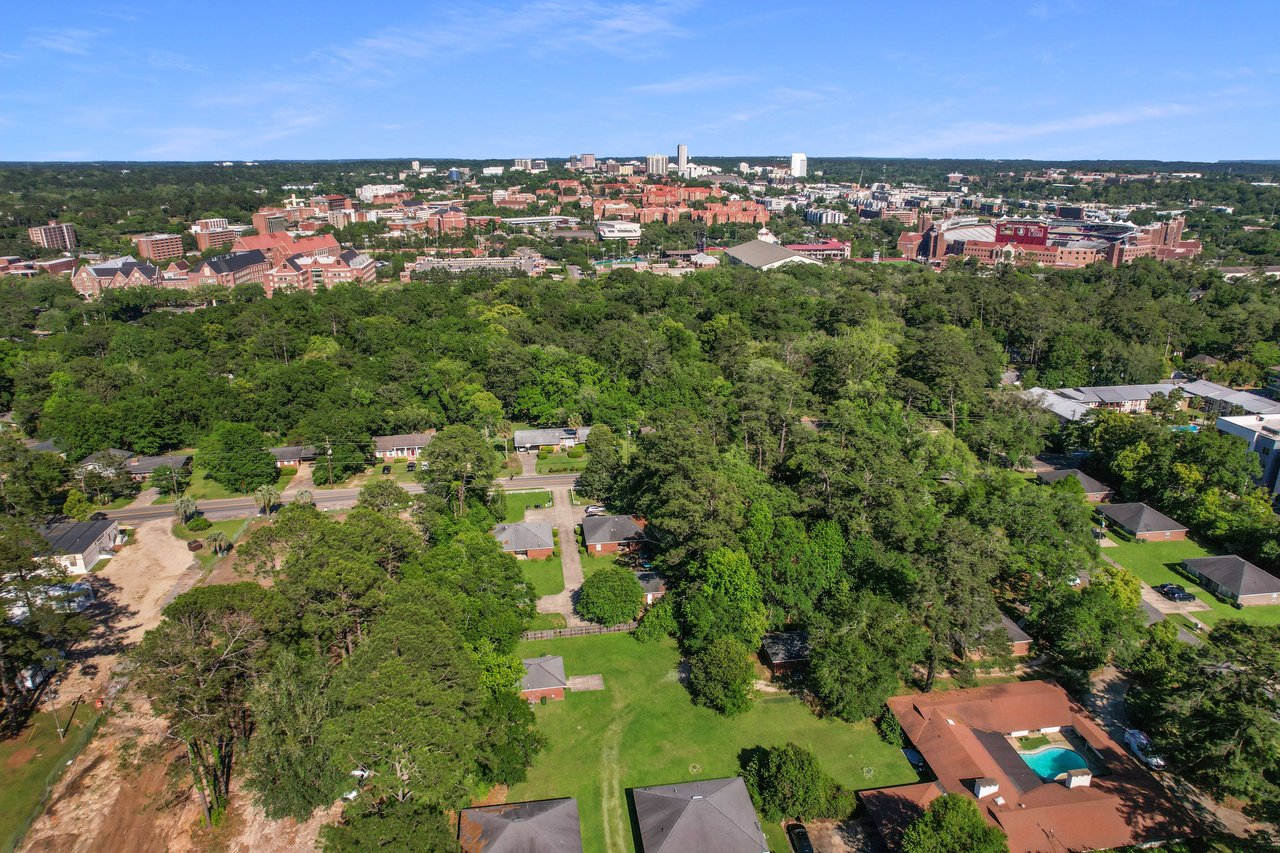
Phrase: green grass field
pixel 592 563
pixel 29 762
pixel 643 730
pixel 204 489
pixel 561 463
pixel 546 576
pixel 518 502
pixel 1154 561
pixel 547 622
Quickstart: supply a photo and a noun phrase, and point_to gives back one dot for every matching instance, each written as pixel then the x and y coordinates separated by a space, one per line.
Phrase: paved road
pixel 325 499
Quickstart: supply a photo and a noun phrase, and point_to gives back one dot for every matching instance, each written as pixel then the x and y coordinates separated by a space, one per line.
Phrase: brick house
pixel 403 446
pixel 786 651
pixel 530 539
pixel 1235 579
pixel 1095 491
pixel 611 534
pixel 292 456
pixel 1142 522
pixel 543 678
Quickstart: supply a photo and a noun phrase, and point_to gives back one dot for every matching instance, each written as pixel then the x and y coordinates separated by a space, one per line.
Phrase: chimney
pixel 1078 779
pixel 985 786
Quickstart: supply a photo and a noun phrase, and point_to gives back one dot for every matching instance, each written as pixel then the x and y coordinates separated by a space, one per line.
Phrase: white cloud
pixel 706 81
pixel 74 41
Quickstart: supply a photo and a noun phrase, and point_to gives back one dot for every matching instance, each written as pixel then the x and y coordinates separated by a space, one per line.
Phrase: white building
pixel 492 171
pixel 799 165
pixel 656 164
pixel 1262 434
pixel 682 156
pixel 613 230
pixel 368 192
pixel 823 216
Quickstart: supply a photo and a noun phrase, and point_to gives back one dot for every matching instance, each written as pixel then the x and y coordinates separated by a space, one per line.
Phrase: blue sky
pixel 1160 79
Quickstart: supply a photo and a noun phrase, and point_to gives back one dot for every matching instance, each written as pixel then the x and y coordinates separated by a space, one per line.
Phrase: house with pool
pixel 1037 765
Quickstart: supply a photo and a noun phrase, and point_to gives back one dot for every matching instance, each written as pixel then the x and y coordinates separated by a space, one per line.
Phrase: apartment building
pixel 159 247
pixel 53 236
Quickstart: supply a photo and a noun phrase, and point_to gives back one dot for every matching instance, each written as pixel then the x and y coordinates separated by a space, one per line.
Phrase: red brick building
pixel 307 272
pixel 229 270
pixel 91 281
pixel 159 247
pixel 543 678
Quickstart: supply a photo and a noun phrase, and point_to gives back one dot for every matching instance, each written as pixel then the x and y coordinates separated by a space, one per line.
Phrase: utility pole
pixel 328 451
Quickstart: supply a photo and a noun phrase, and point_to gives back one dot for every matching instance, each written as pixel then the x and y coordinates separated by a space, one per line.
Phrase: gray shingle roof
pixel 1235 574
pixel 73 537
pixel 524 536
pixel 786 646
pixel 146 464
pixel 651 582
pixel 550 436
pixel 603 529
pixel 712 816
pixel 1091 486
pixel 544 826
pixel 1139 518
pixel 294 453
pixel 387 443
pixel 543 673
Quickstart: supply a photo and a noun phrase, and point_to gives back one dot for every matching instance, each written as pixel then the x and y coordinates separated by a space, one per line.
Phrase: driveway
pixel 565 517
pixel 304 479
pixel 132 588
pixel 528 464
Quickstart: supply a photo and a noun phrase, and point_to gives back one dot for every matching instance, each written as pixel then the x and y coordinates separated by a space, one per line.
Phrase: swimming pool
pixel 1051 763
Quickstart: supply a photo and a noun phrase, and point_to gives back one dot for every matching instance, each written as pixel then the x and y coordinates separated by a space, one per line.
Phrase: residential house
pixel 1142 522
pixel 1235 579
pixel 1019 640
pixel 533 540
pixel 48 445
pixel 90 281
pixel 653 585
pixel 543 826
pixel 403 446
pixel 553 437
pixel 113 460
pixel 972 742
pixel 786 651
pixel 609 534
pixel 543 678
pixel 293 455
pixel 763 255
pixel 77 545
pixel 1095 491
pixel 142 467
pixel 709 816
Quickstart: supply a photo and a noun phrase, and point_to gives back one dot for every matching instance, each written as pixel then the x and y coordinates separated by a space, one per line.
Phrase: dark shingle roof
pixel 543 673
pixel 786 646
pixel 603 529
pixel 651 582
pixel 235 262
pixel 146 464
pixel 524 536
pixel 293 453
pixel 1139 518
pixel 712 816
pixel 387 443
pixel 545 826
pixel 1235 574
pixel 73 537
pixel 1091 486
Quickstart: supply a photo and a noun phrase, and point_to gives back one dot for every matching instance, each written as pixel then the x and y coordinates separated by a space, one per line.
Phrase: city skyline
pixel 1053 81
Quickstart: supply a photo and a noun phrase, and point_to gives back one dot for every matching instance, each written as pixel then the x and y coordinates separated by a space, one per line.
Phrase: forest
pixel 823 447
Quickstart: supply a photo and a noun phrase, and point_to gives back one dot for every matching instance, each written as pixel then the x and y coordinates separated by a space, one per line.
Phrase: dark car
pixel 1174 592
pixel 386 469
pixel 98 516
pixel 412 466
pixel 799 838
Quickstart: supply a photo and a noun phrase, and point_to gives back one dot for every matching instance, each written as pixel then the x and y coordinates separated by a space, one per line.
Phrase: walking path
pixel 565 517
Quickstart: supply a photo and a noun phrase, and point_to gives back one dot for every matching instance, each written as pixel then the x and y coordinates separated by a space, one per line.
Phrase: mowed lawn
pixel 546 576
pixel 518 502
pixel 592 563
pixel 1154 562
pixel 643 730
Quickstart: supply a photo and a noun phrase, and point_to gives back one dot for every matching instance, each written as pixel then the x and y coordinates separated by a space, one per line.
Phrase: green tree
pixel 610 596
pixel 724 599
pixel 77 506
pixel 235 456
pixel 787 782
pixel 383 496
pixel 601 477
pixel 1218 715
pixel 197 667
pixel 457 463
pixel 266 496
pixel 185 508
pixel 286 768
pixel 721 677
pixel 953 824
pixel 399 825
pixel 30 482
pixel 167 480
pixel 861 647
pixel 218 542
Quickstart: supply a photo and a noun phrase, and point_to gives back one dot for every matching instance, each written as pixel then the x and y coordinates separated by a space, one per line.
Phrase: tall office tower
pixel 799 165
pixel 588 162
pixel 682 156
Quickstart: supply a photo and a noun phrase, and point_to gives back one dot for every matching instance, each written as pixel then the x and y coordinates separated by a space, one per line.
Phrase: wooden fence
pixel 583 631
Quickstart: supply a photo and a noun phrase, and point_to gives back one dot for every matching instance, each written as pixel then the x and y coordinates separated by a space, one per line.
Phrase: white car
pixel 1140 745
pixel 597 510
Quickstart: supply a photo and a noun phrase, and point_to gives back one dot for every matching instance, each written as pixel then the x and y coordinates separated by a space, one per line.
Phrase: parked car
pixel 1140 745
pixel 412 466
pixel 386 469
pixel 1174 592
pixel 98 516
pixel 596 509
pixel 799 838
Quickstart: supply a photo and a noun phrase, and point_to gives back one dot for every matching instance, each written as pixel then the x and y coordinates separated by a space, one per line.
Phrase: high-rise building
pixel 588 162
pixel 682 156
pixel 799 165
pixel 417 166
pixel 656 164
pixel 159 247
pixel 53 236
pixel 523 164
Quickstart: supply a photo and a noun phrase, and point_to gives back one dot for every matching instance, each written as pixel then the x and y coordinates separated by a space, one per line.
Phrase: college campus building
pixel 53 236
pixel 159 247
pixel 1060 242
